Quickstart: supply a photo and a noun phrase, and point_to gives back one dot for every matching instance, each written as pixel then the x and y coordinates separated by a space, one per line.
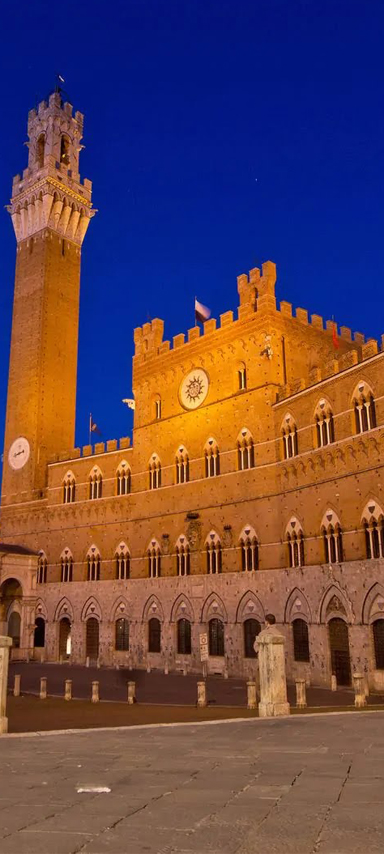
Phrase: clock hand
pixel 19 452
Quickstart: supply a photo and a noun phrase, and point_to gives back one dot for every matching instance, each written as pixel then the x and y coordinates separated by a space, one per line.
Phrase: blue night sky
pixel 219 134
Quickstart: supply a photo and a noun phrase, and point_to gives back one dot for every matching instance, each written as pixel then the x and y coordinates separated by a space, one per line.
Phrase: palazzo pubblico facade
pixel 253 483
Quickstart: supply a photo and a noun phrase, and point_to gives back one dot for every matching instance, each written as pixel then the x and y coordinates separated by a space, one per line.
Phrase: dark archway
pixel 251 629
pixel 92 639
pixel 339 647
pixel 216 637
pixel 64 638
pixel 14 628
pixel 39 636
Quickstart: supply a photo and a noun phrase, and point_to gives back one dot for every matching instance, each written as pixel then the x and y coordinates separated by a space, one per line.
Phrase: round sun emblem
pixel 194 389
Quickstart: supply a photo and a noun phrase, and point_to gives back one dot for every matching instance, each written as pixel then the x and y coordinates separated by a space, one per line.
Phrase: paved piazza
pixel 308 785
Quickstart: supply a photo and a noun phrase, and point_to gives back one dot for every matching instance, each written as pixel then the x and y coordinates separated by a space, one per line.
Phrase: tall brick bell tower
pixel 50 210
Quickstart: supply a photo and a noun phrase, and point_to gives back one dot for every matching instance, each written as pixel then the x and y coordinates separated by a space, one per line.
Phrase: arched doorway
pixel 10 591
pixel 14 628
pixel 64 638
pixel 92 639
pixel 339 647
pixel 39 636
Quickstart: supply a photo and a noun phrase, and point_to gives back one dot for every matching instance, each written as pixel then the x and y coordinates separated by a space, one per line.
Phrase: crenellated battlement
pixel 95 450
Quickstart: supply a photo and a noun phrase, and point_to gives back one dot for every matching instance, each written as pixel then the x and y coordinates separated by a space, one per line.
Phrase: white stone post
pixel 201 695
pixel 333 682
pixel 131 693
pixel 17 685
pixel 251 695
pixel 301 696
pixel 68 689
pixel 273 686
pixel 360 696
pixel 43 688
pixel 5 644
pixel 95 692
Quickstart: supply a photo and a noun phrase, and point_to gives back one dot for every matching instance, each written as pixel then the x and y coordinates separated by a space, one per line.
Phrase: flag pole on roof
pixel 202 312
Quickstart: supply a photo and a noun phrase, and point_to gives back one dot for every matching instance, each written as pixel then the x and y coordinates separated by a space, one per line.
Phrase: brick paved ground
pixel 299 785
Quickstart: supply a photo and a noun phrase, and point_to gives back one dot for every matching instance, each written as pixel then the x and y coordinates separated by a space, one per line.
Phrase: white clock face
pixel 194 389
pixel 19 453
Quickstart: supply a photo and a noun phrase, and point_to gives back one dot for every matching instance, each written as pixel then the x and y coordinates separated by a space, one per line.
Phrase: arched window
pixel 251 629
pixel 212 459
pixel 373 521
pixel 69 487
pixel 289 433
pixel 154 560
pixel 64 150
pixel 154 472
pixel 332 538
pixel 378 642
pixel 182 466
pixel 295 540
pixel 184 646
pixel 182 556
pixel 42 568
pixel 93 564
pixel 249 550
pixel 324 424
pixel 123 562
pixel 154 635
pixel 95 483
pixel 123 479
pixel 214 552
pixel 66 561
pixel 245 450
pixel 242 376
pixel 122 635
pixel 216 637
pixel 300 640
pixel 364 406
pixel 40 151
pixel 157 413
pixel 39 635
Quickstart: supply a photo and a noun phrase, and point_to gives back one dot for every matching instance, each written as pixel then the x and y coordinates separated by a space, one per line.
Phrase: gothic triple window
pixel 245 450
pixel 182 556
pixel 289 433
pixel 373 521
pixel 93 564
pixel 332 537
pixel 42 568
pixel 214 553
pixel 182 466
pixel 66 561
pixel 95 483
pixel 324 424
pixel 295 541
pixel 154 560
pixel 122 635
pixel 212 459
pixel 69 487
pixel 154 472
pixel 122 562
pixel 123 479
pixel 249 550
pixel 364 407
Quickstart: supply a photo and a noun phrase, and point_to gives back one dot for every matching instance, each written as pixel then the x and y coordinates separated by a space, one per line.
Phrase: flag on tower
pixel 334 336
pixel 202 313
pixel 93 428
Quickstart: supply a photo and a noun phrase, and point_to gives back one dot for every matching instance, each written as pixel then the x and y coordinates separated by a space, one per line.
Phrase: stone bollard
pixel 148 668
pixel 201 695
pixel 5 644
pixel 43 688
pixel 185 670
pixel 333 682
pixel 95 692
pixel 273 686
pixel 251 695
pixel 166 670
pixel 87 661
pixel 301 696
pixel 131 693
pixel 17 685
pixel 360 696
pixel 225 673
pixel 68 689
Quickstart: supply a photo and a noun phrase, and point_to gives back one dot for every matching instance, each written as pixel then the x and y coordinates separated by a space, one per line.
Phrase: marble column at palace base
pixel 273 710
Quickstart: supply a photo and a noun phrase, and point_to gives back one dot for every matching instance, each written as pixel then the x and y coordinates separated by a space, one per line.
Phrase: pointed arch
pixel 325 434
pixel 182 465
pixel 245 450
pixel 289 434
pixel 373 605
pixel 211 458
pixel 241 375
pixel 123 478
pixel 69 487
pixel 64 609
pixel 95 483
pixel 373 522
pixel 332 537
pixel 335 604
pixel 213 608
pixel 363 403
pixel 182 609
pixel 154 468
pixel 42 568
pixel 213 553
pixel 249 547
pixel 66 562
pixel 91 608
pixel 122 562
pixel 93 563
pixel 297 607
pixel 295 540
pixel 154 559
pixel 41 609
pixel 250 607
pixel 120 608
pixel 153 608
pixel 183 556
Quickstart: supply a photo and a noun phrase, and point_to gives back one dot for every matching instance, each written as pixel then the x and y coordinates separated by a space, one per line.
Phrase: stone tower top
pixel 50 193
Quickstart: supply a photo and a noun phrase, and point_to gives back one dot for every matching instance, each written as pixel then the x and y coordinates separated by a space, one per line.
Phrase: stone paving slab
pixel 298 785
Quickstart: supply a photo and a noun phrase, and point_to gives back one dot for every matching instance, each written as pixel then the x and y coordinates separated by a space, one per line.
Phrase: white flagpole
pixel 90 427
